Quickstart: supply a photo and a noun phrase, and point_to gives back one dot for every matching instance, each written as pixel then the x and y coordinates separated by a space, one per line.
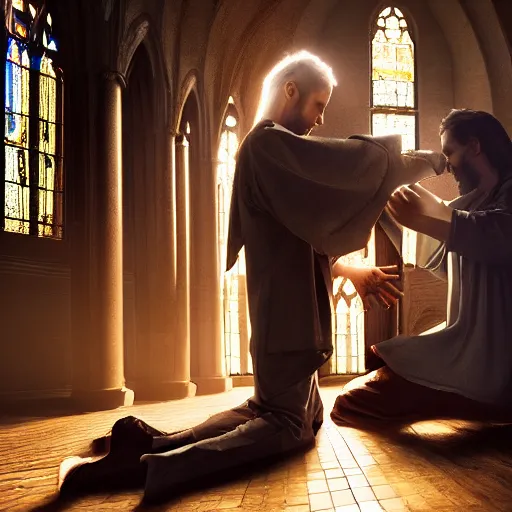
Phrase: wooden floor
pixel 434 466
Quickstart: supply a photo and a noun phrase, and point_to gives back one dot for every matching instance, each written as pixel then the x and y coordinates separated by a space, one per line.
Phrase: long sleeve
pixel 485 235
pixel 328 192
pixel 430 253
pixel 304 188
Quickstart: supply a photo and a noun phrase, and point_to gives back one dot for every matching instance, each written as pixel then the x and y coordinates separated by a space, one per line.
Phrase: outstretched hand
pixel 376 282
pixel 415 208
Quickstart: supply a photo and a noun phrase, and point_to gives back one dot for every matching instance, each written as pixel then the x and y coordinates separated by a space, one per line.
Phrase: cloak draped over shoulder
pixel 296 202
pixel 328 192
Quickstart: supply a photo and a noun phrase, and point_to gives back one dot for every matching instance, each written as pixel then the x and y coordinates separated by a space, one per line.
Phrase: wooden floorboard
pixel 440 466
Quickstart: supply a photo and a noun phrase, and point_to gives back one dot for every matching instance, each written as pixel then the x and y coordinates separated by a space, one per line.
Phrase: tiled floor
pixel 435 466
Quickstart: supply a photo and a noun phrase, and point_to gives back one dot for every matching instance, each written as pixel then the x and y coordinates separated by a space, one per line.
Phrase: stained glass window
pixel 393 111
pixel 233 283
pixel 393 78
pixel 33 180
pixel 17 177
pixel 394 108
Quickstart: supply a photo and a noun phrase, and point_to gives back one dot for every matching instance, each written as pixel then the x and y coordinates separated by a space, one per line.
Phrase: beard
pixel 297 125
pixel 466 177
pixel 296 122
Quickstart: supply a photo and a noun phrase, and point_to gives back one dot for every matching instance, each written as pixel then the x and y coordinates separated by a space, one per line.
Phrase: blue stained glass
pixel 16 92
pixel 12 86
pixel 10 121
pixel 35 62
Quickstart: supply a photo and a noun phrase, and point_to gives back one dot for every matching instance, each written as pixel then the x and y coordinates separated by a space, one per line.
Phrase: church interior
pixel 122 123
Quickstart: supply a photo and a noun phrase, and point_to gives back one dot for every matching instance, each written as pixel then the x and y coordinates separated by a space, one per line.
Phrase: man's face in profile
pixel 308 111
pixel 460 163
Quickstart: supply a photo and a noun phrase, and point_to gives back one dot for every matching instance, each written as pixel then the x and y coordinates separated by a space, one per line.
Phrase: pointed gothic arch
pixel 233 283
pixel 394 91
pixel 394 95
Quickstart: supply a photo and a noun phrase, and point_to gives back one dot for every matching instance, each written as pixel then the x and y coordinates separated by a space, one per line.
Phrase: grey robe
pixel 296 202
pixel 473 355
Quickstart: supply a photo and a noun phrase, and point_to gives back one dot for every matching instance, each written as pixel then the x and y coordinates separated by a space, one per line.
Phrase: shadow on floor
pixel 236 475
pixel 27 410
pixel 460 440
pixel 466 444
pixel 463 444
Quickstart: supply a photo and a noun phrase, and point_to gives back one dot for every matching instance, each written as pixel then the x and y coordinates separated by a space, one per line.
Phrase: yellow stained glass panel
pixel 402 124
pixel 393 78
pixel 21 30
pixel 16 171
pixel 392 61
pixel 50 198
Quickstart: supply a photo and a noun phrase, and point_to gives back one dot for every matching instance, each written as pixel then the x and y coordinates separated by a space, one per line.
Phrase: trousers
pixel 284 415
pixel 278 419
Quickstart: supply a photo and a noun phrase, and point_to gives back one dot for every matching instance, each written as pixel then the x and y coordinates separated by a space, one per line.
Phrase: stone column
pixel 169 358
pixel 182 311
pixel 209 372
pixel 98 375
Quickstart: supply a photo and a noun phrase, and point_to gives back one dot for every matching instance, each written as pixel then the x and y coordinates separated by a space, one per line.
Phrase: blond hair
pixel 305 69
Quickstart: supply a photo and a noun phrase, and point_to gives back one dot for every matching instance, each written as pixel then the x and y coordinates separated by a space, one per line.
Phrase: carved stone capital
pixel 180 139
pixel 114 76
pixel 171 132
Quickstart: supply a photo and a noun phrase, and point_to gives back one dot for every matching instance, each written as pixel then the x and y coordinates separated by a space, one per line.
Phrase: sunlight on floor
pixel 348 471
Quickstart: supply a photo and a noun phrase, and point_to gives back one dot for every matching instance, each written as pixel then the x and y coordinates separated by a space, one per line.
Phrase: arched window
pixel 394 92
pixel 33 180
pixel 393 110
pixel 233 283
pixel 349 321
pixel 228 147
pixel 393 100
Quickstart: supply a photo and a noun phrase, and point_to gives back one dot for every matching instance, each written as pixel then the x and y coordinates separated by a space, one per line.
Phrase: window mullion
pixel 2 157
pixel 34 147
pixel 59 196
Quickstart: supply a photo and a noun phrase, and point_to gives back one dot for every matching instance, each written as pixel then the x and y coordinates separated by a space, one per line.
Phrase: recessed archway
pixel 138 188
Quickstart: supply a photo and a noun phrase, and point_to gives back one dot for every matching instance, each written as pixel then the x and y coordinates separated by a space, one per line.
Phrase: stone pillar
pixel 209 369
pixel 182 312
pixel 169 348
pixel 98 374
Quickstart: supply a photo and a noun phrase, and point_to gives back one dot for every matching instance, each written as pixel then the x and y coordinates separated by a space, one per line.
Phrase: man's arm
pixel 328 192
pixel 418 209
pixel 484 235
